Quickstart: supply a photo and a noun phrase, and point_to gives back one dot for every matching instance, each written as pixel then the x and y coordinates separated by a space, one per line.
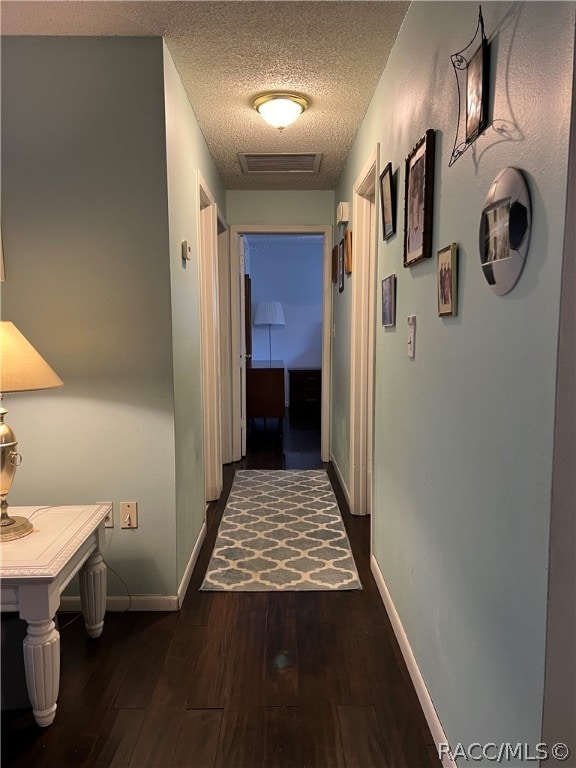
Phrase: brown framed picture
pixel 419 200
pixel 447 274
pixel 387 203
pixel 389 301
pixel 348 252
pixel 335 264
pixel 341 265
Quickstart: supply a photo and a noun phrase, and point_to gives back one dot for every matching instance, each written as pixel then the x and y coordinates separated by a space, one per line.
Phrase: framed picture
pixel 389 300
pixel 419 201
pixel 387 202
pixel 341 265
pixel 348 252
pixel 477 79
pixel 496 232
pixel 447 273
pixel 335 264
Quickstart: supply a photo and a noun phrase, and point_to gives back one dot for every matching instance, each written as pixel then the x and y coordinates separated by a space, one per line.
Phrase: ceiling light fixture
pixel 280 109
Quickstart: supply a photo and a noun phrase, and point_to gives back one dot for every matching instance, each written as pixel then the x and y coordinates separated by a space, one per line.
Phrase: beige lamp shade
pixel 21 367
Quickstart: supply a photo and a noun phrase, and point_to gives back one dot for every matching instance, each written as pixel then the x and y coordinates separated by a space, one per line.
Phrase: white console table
pixel 35 570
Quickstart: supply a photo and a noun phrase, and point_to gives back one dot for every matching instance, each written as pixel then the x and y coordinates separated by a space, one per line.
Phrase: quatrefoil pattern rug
pixel 281 530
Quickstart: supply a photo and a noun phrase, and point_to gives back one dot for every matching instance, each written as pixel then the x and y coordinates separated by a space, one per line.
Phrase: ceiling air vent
pixel 280 163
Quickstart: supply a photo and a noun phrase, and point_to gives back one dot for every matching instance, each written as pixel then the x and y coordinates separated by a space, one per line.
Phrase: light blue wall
pixel 288 269
pixel 282 208
pixel 100 160
pixel 187 155
pixel 464 432
pixel 85 230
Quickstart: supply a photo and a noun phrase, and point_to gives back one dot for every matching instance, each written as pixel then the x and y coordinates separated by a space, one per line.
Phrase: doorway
pixel 238 234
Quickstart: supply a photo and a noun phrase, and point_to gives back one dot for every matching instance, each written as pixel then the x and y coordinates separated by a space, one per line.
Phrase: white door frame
pixel 210 340
pixel 224 279
pixel 364 221
pixel 237 313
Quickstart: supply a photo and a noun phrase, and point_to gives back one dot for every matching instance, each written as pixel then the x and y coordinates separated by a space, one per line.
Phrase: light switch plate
pixel 129 514
pixel 411 336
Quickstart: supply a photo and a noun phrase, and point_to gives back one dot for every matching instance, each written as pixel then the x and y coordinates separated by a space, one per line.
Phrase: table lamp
pixel 22 369
pixel 269 313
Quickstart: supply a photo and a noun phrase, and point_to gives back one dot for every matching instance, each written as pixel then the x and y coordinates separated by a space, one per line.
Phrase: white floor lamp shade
pixel 269 313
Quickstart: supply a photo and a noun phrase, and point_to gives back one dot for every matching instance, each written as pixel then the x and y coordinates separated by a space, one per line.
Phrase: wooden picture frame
pixel 348 252
pixel 2 272
pixel 389 301
pixel 335 264
pixel 477 84
pixel 447 281
pixel 387 202
pixel 419 200
pixel 341 265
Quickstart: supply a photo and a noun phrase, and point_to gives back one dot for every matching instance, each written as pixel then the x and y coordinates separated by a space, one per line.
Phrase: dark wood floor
pixel 236 680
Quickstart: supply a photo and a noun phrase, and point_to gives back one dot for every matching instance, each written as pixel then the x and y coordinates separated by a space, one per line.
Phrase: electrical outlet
pixel 109 519
pixel 129 514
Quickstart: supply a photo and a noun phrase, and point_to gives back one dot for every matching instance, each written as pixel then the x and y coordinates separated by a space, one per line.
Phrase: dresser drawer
pixel 305 387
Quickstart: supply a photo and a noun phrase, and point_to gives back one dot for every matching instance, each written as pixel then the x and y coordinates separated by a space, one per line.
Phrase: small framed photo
pixel 389 301
pixel 419 201
pixel 341 265
pixel 477 79
pixel 447 273
pixel 348 252
pixel 387 202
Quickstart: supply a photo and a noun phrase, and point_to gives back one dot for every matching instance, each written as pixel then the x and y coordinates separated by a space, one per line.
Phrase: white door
pixel 211 392
pixel 238 345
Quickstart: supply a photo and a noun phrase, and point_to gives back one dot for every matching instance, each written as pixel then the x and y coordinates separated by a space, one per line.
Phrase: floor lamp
pixel 269 313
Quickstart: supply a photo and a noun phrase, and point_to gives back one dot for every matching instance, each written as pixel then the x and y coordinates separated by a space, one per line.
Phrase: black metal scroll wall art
pixel 471 67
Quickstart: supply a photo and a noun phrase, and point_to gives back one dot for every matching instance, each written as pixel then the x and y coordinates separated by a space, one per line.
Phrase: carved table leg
pixel 93 593
pixel 42 665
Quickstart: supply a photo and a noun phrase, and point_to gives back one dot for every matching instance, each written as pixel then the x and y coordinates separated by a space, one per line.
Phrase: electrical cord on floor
pixel 128 595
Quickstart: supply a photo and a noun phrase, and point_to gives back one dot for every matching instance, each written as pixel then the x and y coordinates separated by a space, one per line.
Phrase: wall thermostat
pixel 505 230
pixel 342 213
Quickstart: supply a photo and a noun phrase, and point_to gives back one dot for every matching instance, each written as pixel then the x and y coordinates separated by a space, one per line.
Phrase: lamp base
pixel 15 528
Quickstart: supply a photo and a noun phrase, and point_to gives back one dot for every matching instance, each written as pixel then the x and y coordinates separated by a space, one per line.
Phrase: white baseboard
pixel 190 567
pixel 120 603
pixel 417 680
pixel 340 478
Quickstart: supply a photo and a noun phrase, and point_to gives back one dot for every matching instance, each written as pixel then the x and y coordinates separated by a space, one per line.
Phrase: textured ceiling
pixel 229 52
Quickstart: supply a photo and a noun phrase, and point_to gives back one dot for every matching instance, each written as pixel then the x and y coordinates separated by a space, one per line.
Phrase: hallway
pixel 237 680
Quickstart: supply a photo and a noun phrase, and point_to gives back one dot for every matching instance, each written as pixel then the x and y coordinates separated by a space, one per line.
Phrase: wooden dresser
pixel 265 395
pixel 305 391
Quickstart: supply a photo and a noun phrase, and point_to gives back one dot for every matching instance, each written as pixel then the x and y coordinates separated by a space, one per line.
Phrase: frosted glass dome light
pixel 280 109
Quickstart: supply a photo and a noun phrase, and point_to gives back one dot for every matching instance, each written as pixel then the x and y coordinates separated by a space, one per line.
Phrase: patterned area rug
pixel 281 530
